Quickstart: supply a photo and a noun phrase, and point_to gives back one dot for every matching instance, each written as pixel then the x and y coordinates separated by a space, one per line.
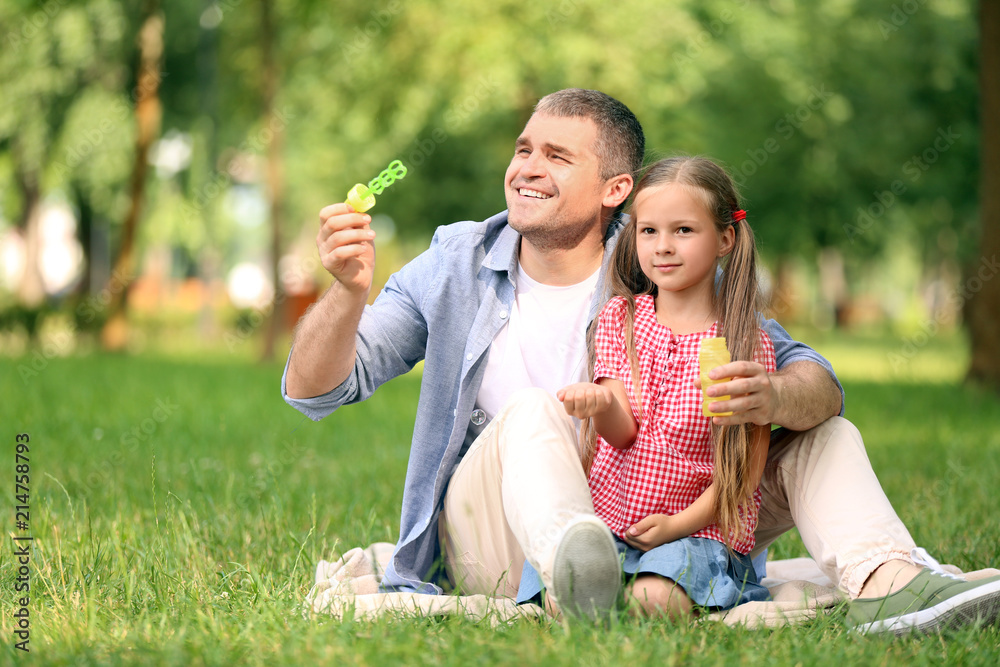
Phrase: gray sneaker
pixel 587 573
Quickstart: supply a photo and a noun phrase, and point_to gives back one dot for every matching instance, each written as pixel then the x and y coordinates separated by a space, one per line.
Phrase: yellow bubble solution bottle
pixel 713 353
pixel 360 198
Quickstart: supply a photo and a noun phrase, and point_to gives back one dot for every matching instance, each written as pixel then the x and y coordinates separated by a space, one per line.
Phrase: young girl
pixel 679 494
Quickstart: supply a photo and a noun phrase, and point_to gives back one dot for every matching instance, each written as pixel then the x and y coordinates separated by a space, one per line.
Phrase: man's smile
pixel 526 192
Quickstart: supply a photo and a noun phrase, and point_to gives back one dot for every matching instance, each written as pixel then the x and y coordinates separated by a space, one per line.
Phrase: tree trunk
pixel 982 287
pixel 784 300
pixel 275 171
pixel 31 290
pixel 114 335
pixel 84 234
pixel 210 264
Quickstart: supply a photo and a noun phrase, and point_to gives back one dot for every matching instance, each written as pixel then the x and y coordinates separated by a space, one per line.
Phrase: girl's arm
pixel 607 402
pixel 658 529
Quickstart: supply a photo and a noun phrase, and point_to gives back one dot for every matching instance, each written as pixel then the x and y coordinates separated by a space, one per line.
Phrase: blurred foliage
pixel 849 124
pixel 66 116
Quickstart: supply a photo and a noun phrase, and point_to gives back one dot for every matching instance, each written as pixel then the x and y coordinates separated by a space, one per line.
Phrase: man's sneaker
pixel 932 601
pixel 587 574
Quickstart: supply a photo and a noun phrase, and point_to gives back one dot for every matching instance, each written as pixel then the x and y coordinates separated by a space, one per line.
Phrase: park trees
pixel 851 126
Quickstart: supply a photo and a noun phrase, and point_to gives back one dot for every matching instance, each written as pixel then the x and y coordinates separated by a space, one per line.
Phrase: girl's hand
pixel 585 399
pixel 651 532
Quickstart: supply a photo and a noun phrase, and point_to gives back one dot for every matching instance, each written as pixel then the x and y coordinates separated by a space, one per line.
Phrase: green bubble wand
pixel 362 197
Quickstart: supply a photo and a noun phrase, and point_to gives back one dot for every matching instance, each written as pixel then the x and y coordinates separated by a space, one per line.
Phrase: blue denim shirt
pixel 444 308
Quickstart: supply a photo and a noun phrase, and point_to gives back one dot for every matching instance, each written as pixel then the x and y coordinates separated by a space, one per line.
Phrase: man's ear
pixel 616 190
pixel 727 241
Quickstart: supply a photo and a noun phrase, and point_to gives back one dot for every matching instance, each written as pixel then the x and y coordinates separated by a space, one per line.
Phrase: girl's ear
pixel 727 240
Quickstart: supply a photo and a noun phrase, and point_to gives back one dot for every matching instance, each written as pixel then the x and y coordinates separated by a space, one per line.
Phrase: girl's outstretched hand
pixel 585 399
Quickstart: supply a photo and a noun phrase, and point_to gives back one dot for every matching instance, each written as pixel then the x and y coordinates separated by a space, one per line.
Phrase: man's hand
pixel 345 246
pixel 753 395
pixel 651 532
pixel 324 351
pixel 585 399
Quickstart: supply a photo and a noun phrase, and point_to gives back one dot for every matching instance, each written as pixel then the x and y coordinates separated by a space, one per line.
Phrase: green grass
pixel 179 508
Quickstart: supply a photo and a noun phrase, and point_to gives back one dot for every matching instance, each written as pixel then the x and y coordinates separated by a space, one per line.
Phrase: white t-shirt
pixel 543 344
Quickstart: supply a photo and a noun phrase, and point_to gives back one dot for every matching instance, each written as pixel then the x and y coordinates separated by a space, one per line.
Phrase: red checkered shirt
pixel 670 464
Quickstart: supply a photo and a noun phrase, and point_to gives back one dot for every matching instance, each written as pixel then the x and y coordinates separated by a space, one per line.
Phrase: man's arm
pixel 324 348
pixel 801 394
pixel 805 396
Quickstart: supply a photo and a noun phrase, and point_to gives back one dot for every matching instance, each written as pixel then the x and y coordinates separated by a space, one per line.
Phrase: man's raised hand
pixel 345 246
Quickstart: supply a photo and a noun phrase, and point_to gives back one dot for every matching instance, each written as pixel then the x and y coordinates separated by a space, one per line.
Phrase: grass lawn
pixel 178 509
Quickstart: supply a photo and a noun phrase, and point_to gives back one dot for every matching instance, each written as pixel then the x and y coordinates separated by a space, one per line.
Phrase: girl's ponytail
pixel 737 303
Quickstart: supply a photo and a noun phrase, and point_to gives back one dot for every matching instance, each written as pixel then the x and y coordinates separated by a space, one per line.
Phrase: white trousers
pixel 521 482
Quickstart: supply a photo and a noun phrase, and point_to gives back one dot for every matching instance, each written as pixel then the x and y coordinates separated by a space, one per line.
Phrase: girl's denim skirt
pixel 710 574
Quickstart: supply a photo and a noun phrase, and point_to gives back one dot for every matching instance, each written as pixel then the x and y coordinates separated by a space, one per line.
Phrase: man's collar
pixel 503 255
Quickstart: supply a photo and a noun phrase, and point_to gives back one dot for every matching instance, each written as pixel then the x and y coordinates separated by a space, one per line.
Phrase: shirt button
pixel 503 314
pixel 469 356
pixel 478 417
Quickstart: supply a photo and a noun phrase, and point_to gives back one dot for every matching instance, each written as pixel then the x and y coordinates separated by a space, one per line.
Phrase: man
pixel 497 310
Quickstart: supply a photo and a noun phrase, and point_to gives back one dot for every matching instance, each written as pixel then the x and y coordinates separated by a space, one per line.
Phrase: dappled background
pixel 162 164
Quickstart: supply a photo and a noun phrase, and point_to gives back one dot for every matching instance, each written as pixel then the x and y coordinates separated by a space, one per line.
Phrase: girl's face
pixel 676 239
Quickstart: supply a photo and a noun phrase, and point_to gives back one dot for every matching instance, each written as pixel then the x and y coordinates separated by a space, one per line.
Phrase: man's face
pixel 554 191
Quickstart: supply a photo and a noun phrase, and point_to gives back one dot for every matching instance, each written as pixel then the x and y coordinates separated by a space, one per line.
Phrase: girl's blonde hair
pixel 735 304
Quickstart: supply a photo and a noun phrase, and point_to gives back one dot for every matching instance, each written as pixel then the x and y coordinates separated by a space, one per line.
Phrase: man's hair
pixel 620 141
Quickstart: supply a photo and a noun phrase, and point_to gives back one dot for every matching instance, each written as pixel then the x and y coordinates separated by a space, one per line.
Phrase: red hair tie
pixel 739 215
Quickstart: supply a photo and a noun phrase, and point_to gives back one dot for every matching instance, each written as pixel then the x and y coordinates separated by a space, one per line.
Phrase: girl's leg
pixel 659 596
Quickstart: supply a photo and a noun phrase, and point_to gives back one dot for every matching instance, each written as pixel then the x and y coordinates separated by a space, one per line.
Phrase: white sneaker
pixel 587 573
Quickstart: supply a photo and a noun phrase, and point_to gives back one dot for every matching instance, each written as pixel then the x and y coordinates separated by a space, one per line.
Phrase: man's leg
pixel 822 482
pixel 520 492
